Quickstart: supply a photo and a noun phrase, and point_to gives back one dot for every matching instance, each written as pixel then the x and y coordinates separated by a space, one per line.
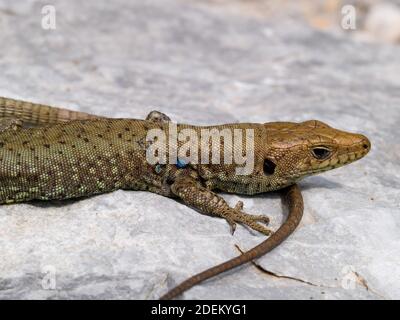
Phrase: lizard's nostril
pixel 366 144
pixel 363 142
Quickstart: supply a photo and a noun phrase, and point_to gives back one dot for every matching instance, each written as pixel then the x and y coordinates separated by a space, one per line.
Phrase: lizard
pixel 54 153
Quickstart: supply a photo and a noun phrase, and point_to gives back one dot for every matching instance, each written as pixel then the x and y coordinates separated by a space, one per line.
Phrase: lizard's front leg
pixel 199 197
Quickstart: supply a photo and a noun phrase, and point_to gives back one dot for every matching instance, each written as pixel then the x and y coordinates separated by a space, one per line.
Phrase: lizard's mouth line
pixel 337 162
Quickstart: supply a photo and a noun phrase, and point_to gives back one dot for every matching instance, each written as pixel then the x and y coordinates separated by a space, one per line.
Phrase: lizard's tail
pixel 294 200
pixel 39 114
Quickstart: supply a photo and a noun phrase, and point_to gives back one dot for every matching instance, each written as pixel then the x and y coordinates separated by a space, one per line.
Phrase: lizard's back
pixel 72 159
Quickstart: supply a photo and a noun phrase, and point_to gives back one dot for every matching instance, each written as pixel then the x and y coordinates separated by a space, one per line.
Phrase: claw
pixel 232 224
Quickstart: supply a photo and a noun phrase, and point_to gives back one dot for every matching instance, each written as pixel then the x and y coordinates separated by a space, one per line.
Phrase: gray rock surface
pixel 204 65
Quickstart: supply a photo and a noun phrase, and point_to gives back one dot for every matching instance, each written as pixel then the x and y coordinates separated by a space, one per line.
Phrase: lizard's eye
pixel 321 153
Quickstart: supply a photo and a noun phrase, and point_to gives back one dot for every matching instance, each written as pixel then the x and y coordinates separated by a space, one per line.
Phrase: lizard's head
pixel 286 152
pixel 297 150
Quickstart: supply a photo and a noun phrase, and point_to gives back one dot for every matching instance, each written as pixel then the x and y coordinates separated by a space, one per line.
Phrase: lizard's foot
pixel 250 220
pixel 193 193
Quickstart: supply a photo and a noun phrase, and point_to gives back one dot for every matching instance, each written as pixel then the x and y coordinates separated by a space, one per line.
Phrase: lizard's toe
pixel 256 217
pixel 261 218
pixel 253 221
pixel 262 229
pixel 264 219
pixel 232 224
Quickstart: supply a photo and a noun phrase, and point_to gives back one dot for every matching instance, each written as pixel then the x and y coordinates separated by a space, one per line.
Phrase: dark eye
pixel 321 153
pixel 269 167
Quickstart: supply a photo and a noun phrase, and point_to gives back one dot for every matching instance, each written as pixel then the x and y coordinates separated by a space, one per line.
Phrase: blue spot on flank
pixel 158 168
pixel 180 163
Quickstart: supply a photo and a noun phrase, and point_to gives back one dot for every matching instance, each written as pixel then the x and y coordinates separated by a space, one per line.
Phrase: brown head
pixel 296 150
pixel 292 151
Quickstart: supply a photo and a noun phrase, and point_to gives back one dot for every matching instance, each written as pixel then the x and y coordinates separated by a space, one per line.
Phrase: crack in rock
pixel 262 269
pixel 360 280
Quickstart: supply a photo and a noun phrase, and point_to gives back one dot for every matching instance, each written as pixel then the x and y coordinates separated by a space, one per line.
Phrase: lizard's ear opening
pixel 269 167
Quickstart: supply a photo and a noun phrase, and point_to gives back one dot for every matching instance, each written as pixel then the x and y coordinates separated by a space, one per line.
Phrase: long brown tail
pixel 39 114
pixel 294 200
